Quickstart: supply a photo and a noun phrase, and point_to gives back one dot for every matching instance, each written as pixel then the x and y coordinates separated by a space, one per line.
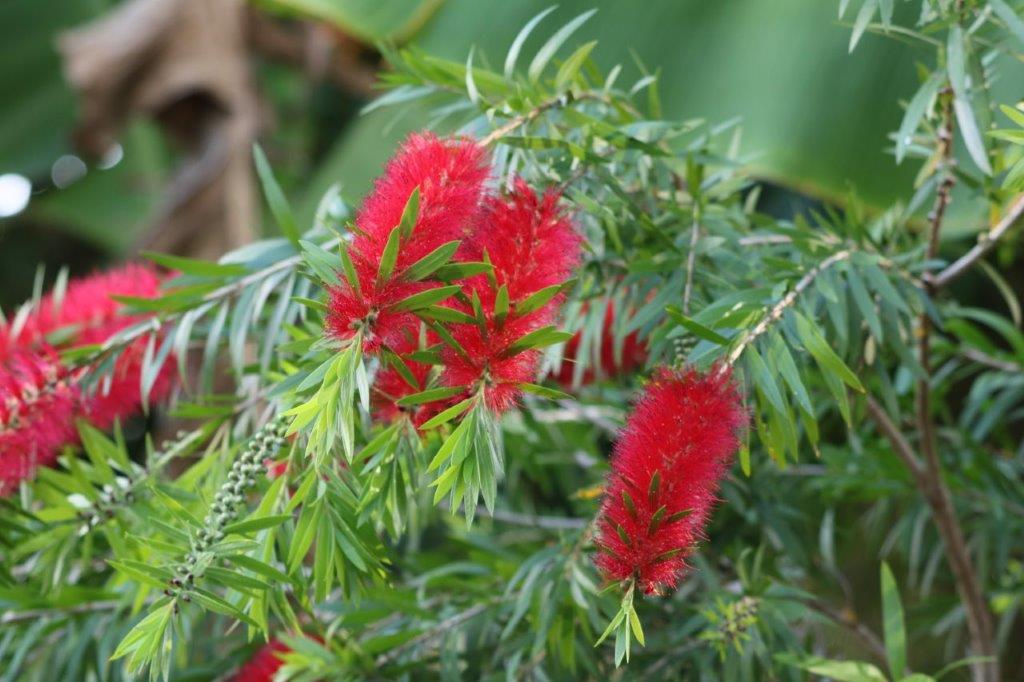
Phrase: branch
pixel 441 628
pixel 785 302
pixel 929 479
pixel 986 242
pixel 900 445
pixel 563 100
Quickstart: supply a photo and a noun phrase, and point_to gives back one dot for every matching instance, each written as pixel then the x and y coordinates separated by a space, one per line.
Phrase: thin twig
pixel 851 623
pixel 531 115
pixel 930 479
pixel 691 259
pixel 989 361
pixel 785 302
pixel 986 242
pixel 434 632
pixel 900 445
pixel 35 614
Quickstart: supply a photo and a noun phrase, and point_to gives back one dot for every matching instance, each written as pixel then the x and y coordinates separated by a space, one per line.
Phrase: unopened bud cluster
pixel 243 475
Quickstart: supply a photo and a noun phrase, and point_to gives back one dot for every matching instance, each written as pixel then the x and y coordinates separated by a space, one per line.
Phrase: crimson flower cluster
pixel 676 447
pixel 529 243
pixel 39 400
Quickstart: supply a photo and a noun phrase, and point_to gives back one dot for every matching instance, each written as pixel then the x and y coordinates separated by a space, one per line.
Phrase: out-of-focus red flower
pixel 532 244
pixel 264 664
pixel 666 468
pixel 634 354
pixel 89 308
pixel 37 411
pixel 450 175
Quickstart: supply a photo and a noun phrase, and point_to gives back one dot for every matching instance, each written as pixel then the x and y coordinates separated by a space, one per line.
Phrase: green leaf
pixel 539 299
pixel 426 298
pixel 1009 17
pixel 430 395
pixel 389 257
pixel 841 671
pixel 548 50
pixel 915 113
pixel 349 269
pixel 447 415
pixel 256 523
pixel 823 353
pixel 192 266
pixel 571 67
pixel 429 264
pixel 544 391
pixel 892 624
pixel 520 39
pixel 323 263
pixel 696 328
pixel 410 214
pixel 275 197
pixel 545 336
pixel 956 67
pixel 454 271
pixel 860 24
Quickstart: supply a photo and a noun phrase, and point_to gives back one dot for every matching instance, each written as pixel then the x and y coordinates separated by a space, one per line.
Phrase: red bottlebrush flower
pixel 450 175
pixel 264 664
pixel 89 305
pixel 634 354
pixel 532 245
pixel 675 448
pixel 37 411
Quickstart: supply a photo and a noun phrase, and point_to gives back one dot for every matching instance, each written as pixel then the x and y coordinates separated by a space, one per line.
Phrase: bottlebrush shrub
pixel 394 477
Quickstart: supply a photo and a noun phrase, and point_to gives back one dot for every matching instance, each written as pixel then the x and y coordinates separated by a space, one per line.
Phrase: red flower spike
pixel 450 176
pixel 264 664
pixel 675 448
pixel 532 245
pixel 37 411
pixel 88 303
pixel 634 354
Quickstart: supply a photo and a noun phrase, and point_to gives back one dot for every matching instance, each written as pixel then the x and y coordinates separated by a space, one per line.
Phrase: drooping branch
pixel 986 242
pixel 775 314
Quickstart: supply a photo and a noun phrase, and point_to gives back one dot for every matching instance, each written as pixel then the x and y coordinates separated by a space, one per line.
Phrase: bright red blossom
pixel 37 410
pixel 89 306
pixel 450 175
pixel 532 244
pixel 264 664
pixel 675 448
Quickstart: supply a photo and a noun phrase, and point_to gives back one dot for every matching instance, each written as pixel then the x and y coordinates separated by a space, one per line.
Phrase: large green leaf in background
pixel 815 117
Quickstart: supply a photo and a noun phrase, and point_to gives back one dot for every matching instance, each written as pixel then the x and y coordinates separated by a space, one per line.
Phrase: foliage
pixel 872 394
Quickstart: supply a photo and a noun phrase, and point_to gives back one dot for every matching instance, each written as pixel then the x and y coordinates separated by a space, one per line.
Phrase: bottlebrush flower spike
pixel 390 386
pixel 37 411
pixel 675 448
pixel 264 664
pixel 89 308
pixel 449 175
pixel 634 354
pixel 532 245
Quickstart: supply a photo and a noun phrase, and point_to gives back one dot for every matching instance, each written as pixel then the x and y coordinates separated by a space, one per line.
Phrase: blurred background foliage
pixel 816 120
